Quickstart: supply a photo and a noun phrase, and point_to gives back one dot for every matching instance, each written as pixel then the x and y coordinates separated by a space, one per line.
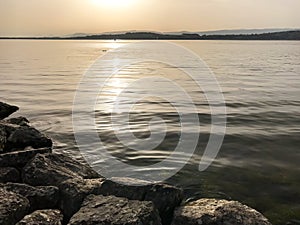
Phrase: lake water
pixel 258 163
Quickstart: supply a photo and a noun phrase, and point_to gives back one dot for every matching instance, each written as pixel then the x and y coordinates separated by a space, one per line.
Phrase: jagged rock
pixel 17 137
pixel 25 136
pixel 3 138
pixel 43 217
pixel 43 197
pixel 6 110
pixel 217 212
pixel 52 169
pixel 9 174
pixel 73 192
pixel 164 197
pixel 21 121
pixel 13 207
pixel 99 209
pixel 125 187
pixel 20 158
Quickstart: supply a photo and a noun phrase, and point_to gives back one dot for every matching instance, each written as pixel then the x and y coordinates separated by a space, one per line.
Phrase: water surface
pixel 259 161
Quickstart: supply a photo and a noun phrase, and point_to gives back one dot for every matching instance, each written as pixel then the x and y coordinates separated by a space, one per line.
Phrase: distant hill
pixel 283 35
pixel 213 32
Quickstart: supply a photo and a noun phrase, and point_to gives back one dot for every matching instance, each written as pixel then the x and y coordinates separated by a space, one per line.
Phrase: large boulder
pixel 13 207
pixel 74 191
pixel 21 121
pixel 6 110
pixel 43 217
pixel 9 174
pixel 18 135
pixel 25 136
pixel 43 197
pixel 3 138
pixel 106 210
pixel 52 169
pixel 217 212
pixel 20 158
pixel 164 197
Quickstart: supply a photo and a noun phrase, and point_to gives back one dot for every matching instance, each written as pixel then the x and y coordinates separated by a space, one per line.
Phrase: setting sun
pixel 113 3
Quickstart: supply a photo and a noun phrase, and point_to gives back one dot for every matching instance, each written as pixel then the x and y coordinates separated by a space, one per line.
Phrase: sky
pixel 61 17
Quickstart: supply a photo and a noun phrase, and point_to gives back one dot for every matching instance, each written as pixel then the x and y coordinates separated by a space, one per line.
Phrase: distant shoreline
pixel 274 36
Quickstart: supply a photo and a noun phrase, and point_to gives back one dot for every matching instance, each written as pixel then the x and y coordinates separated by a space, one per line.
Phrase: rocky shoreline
pixel 38 186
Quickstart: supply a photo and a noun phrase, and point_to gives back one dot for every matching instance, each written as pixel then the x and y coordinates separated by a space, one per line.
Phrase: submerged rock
pixel 43 197
pixel 217 212
pixel 52 169
pixel 13 207
pixel 99 209
pixel 43 217
pixel 20 158
pixel 6 110
pixel 9 174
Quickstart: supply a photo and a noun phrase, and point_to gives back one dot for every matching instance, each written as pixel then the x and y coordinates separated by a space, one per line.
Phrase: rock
pixel 217 212
pixel 6 110
pixel 43 217
pixel 13 207
pixel 99 209
pixel 3 138
pixel 9 174
pixel 24 136
pixel 73 192
pixel 52 169
pixel 16 137
pixel 132 189
pixel 164 197
pixel 44 197
pixel 20 158
pixel 21 121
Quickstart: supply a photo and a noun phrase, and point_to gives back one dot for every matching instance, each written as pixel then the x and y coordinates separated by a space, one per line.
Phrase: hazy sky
pixel 57 17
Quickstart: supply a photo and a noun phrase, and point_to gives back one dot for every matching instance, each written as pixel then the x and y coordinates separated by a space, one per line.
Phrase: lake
pixel 258 163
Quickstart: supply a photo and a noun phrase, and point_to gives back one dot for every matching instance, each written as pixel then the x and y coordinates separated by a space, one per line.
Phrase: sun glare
pixel 113 3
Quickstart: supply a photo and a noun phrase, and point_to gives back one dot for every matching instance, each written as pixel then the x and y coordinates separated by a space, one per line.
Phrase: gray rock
pixel 43 217
pixel 13 207
pixel 101 210
pixel 9 174
pixel 164 197
pixel 217 212
pixel 73 192
pixel 15 137
pixel 20 158
pixel 24 136
pixel 3 138
pixel 21 121
pixel 6 110
pixel 53 169
pixel 43 197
